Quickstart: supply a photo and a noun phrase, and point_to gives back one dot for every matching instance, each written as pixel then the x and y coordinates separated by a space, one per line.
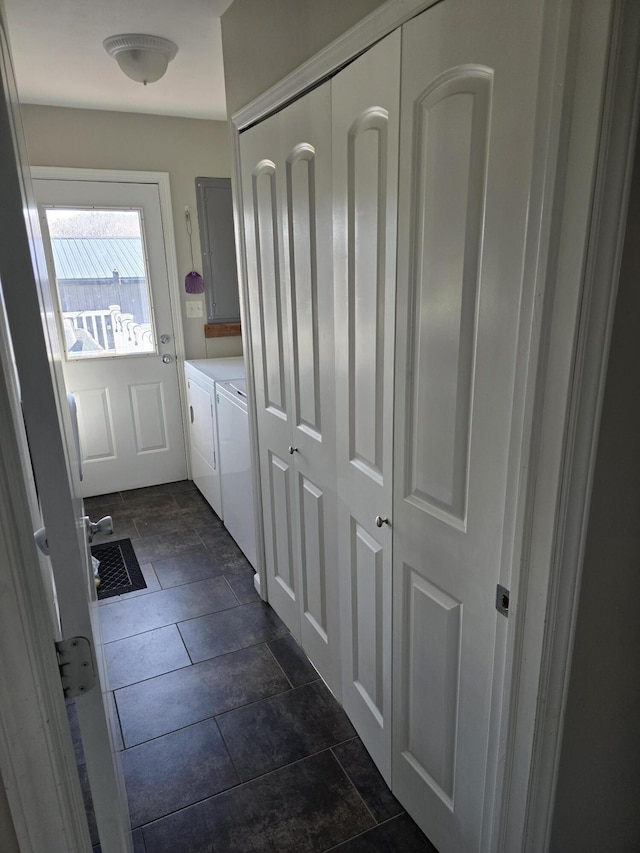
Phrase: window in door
pixel 102 281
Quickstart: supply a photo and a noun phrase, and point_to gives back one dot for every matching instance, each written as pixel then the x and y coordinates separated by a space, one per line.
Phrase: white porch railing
pixel 105 331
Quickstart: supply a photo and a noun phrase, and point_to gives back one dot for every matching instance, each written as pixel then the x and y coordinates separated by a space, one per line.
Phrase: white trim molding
pixel 327 62
pixel 37 761
pixel 609 196
pixel 247 348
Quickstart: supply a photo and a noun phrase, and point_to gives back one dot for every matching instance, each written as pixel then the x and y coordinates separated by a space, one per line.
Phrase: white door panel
pixel 308 271
pixel 468 105
pixel 284 569
pixel 365 103
pixel 44 407
pixel 286 167
pixel 131 428
pixel 261 158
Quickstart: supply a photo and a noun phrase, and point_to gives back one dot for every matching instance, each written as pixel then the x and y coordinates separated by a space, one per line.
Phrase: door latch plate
pixel 75 662
pixel 502 600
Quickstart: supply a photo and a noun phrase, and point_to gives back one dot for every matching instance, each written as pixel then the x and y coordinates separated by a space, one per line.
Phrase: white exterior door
pixel 468 109
pixel 54 462
pixel 286 167
pixel 105 250
pixel 365 102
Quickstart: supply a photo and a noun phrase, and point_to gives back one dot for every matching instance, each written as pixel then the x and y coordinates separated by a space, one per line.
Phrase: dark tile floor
pixel 230 741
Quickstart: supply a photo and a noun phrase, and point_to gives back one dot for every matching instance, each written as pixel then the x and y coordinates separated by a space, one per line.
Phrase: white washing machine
pixel 235 464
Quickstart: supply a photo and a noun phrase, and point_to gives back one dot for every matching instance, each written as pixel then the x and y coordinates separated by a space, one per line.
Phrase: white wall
pixel 185 148
pixel 598 797
pixel 264 40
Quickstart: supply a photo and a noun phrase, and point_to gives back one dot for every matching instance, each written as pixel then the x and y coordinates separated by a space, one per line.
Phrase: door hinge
pixel 75 663
pixel 502 600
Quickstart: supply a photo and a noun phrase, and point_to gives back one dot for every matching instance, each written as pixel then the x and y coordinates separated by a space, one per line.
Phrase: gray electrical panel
pixel 217 239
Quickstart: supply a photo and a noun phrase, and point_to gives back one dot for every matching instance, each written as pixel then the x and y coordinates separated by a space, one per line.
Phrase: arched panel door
pixel 365 151
pixel 468 108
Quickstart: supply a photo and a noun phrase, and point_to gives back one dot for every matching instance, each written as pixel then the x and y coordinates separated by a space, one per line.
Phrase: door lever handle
pixel 104 525
pixel 40 536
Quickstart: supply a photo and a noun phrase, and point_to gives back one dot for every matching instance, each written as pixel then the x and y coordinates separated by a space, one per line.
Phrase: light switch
pixel 194 308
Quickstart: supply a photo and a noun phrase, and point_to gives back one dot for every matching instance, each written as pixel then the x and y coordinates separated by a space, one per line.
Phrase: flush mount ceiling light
pixel 142 58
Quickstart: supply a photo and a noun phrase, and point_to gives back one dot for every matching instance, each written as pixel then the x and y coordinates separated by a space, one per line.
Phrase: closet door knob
pixel 380 521
pixel 292 450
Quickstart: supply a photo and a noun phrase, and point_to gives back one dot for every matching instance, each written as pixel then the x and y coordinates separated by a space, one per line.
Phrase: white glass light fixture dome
pixel 142 58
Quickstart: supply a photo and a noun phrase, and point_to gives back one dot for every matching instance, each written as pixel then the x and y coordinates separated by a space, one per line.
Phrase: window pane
pixel 102 279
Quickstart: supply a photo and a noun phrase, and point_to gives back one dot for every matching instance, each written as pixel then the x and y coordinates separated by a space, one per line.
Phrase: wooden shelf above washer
pixel 222 330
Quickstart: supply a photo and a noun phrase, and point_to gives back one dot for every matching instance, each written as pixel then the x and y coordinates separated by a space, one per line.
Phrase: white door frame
pixel 568 324
pixel 569 424
pixel 161 180
pixel 37 761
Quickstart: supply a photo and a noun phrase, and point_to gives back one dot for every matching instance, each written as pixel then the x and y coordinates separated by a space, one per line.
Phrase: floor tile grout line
pixel 184 643
pixel 364 832
pixel 233 591
pixel 215 717
pixel 180 621
pixel 196 802
pixel 144 562
pixel 221 574
pixel 242 784
pixel 211 716
pixel 353 784
pixel 287 692
pixel 225 610
pixel 241 648
pixel 151 677
pixel 140 634
pixel 204 660
pixel 165 734
pixel 115 704
pixel 226 746
pixel 278 662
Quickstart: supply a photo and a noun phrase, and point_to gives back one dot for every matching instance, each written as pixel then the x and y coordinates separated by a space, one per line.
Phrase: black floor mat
pixel 119 569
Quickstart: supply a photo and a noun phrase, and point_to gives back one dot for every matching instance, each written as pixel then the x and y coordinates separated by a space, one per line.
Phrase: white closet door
pixel 261 163
pixel 365 103
pixel 305 191
pixel 286 168
pixel 468 107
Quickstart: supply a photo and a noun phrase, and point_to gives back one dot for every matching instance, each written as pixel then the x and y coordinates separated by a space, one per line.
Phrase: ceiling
pixel 59 58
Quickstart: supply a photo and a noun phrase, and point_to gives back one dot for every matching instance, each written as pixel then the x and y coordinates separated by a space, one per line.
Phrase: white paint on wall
pixel 185 148
pixel 279 36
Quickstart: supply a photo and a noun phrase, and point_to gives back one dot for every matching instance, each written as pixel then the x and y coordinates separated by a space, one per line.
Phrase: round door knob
pixel 292 450
pixel 167 359
pixel 380 521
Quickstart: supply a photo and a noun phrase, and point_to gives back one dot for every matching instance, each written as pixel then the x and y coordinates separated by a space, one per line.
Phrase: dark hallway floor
pixel 230 740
